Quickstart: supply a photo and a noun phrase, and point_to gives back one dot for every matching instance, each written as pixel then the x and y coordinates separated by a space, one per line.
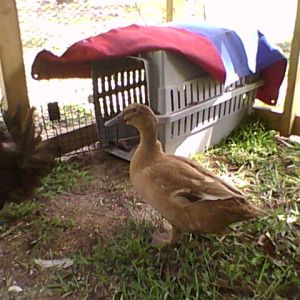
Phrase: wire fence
pixel 63 105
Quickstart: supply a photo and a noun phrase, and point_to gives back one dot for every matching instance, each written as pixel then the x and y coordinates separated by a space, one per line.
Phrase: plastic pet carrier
pixel 194 111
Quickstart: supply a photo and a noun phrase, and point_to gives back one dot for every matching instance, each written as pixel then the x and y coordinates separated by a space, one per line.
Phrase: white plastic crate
pixel 194 110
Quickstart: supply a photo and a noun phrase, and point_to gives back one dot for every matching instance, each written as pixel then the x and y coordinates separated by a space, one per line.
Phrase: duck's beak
pixel 114 121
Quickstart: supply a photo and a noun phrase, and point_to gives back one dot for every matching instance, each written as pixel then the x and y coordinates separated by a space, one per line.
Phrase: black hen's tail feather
pixel 24 160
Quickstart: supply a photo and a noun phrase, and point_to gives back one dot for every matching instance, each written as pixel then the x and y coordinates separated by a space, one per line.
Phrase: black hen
pixel 24 160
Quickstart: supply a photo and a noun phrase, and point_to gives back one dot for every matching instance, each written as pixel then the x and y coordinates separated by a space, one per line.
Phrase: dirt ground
pixel 97 209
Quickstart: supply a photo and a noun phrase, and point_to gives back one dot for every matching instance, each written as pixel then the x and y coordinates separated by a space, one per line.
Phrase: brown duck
pixel 190 197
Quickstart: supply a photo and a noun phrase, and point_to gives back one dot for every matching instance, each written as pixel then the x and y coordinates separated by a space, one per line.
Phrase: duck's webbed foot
pixel 160 239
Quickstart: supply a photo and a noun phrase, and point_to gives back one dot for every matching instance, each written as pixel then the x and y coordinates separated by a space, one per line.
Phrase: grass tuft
pixel 250 143
pixel 62 178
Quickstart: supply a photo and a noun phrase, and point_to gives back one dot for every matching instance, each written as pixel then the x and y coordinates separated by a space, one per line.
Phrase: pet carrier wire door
pixel 116 84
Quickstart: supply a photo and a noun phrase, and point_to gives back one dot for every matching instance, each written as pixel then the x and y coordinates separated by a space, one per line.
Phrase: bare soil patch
pixel 72 224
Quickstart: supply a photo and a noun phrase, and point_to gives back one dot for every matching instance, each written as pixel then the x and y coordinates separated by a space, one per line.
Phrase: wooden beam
pixel 296 126
pixel 273 120
pixel 11 55
pixel 71 141
pixel 293 89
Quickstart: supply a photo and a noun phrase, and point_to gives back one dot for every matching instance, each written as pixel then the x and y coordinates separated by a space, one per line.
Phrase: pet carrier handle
pixel 179 114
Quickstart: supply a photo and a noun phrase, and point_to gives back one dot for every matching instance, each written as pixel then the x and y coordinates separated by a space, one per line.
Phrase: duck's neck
pixel 148 136
pixel 148 150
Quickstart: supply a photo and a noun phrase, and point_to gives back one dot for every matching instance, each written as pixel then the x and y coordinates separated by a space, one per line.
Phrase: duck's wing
pixel 186 180
pixel 208 174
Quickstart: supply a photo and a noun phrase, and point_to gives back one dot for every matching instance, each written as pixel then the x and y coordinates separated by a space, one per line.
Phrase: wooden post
pixel 169 15
pixel 3 98
pixel 293 89
pixel 13 71
pixel 174 9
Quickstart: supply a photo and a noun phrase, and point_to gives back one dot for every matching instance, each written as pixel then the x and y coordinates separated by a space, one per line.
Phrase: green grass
pixel 198 268
pixel 30 218
pixel 250 144
pixel 62 178
pixel 260 259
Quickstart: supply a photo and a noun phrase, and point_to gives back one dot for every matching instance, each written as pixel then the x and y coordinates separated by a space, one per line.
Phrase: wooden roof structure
pixel 13 80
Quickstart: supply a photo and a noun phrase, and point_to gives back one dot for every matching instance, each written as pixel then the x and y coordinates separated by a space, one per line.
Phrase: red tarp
pixel 135 39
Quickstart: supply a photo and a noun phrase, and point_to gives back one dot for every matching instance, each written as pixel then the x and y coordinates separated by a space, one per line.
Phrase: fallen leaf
pixel 265 241
pixel 65 263
pixel 226 285
pixel 15 289
pixel 10 230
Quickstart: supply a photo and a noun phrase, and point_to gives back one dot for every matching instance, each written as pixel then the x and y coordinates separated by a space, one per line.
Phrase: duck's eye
pixel 134 110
